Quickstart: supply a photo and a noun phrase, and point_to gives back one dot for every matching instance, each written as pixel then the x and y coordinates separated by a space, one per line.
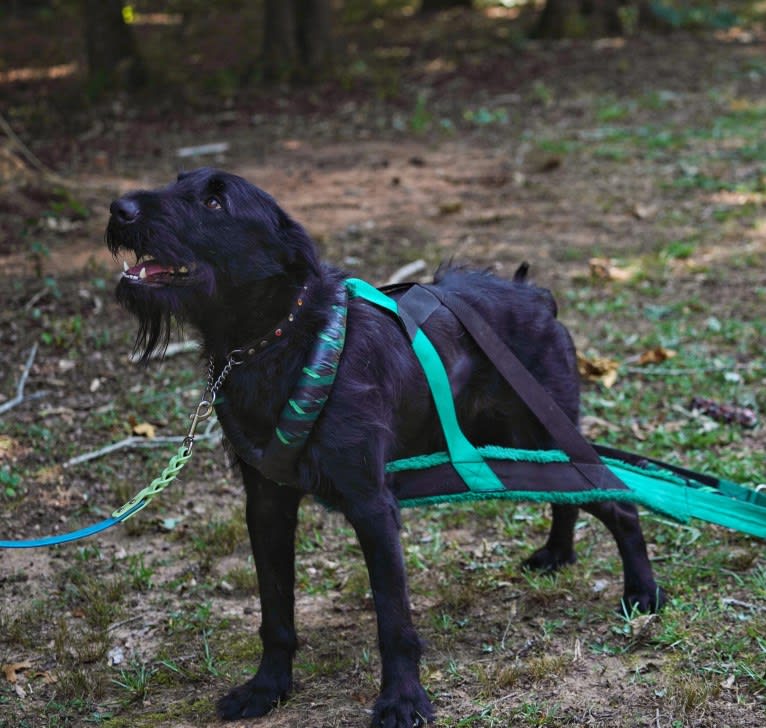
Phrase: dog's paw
pixel 547 560
pixel 408 708
pixel 253 699
pixel 649 601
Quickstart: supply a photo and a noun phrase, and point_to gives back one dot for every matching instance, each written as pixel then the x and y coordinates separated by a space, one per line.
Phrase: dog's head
pixel 201 244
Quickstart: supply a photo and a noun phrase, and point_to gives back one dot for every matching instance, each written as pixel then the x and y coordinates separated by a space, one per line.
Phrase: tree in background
pixel 431 6
pixel 593 18
pixel 110 47
pixel 297 39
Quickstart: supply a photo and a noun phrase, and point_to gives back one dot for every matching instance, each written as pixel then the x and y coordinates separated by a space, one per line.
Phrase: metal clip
pixel 236 357
pixel 203 411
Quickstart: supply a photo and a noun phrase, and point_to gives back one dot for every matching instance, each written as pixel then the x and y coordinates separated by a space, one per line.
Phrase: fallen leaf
pixel 604 268
pixel 638 433
pixel 449 207
pixel 598 369
pixel 11 671
pixel 641 212
pixel 594 427
pixel 641 626
pixel 656 356
pixel 550 164
pixel 144 429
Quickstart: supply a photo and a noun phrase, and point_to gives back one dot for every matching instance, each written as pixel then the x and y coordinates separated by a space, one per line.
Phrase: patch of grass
pixel 324 662
pixel 243 579
pixel 134 680
pixel 611 110
pixel 537 714
pixel 23 627
pixel 612 153
pixel 139 575
pixel 220 537
pixel 79 687
pixel 558 147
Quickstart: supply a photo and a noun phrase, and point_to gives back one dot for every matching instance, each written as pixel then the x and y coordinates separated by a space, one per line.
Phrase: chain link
pixel 213 385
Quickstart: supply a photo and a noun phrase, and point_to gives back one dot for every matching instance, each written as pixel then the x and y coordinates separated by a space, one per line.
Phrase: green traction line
pixel 655 488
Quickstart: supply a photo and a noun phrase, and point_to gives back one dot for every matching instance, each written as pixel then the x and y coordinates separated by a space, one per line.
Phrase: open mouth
pixel 149 271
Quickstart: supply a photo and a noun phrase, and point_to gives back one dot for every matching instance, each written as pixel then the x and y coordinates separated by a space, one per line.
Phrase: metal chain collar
pixel 206 404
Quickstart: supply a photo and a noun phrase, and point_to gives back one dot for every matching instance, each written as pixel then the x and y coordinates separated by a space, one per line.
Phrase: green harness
pixel 552 476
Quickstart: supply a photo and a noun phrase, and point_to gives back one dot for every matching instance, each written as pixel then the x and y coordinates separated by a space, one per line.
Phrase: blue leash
pixel 72 535
pixel 143 497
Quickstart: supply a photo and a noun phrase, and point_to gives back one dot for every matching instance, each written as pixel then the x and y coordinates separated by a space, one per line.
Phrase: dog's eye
pixel 213 203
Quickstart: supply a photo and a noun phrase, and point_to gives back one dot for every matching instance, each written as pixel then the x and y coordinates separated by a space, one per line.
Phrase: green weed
pixel 135 680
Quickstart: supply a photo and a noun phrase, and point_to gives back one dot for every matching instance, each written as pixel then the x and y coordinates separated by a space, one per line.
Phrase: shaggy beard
pixel 155 319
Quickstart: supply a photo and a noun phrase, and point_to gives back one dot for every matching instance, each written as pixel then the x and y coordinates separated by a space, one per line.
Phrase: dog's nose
pixel 125 210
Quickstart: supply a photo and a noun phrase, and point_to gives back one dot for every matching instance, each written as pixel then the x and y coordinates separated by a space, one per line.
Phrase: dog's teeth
pixel 183 269
pixel 142 274
pixel 125 267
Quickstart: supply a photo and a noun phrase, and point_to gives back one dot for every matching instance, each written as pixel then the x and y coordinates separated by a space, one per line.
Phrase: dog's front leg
pixel 272 515
pixel 402 703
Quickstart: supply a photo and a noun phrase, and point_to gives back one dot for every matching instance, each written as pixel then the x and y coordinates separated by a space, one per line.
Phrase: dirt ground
pixel 532 166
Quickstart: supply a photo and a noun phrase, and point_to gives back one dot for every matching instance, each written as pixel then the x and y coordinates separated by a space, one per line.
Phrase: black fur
pixel 246 262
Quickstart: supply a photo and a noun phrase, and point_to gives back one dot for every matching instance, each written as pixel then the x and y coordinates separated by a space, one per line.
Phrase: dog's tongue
pixel 152 269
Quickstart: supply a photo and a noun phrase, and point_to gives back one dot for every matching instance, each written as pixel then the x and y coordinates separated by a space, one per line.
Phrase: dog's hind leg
pixel 272 515
pixel 640 589
pixel 559 548
pixel 402 703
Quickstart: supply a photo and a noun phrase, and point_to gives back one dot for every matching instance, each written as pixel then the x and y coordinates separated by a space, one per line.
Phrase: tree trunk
pixel 298 40
pixel 280 51
pixel 110 46
pixel 591 18
pixel 434 6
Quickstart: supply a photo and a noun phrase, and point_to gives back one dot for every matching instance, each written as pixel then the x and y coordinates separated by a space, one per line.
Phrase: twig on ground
pixel 667 372
pixel 117 625
pixel 19 398
pixel 731 602
pixel 32 301
pixel 180 347
pixel 417 266
pixel 136 441
pixel 202 149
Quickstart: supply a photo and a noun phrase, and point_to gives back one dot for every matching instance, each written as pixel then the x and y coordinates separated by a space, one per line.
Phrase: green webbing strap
pixel 655 486
pixel 465 458
pixel 165 478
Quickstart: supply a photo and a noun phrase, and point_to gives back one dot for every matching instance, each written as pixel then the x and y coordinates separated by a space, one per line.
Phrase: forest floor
pixel 632 177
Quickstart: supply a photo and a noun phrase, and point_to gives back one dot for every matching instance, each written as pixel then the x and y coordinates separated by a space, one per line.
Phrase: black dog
pixel 219 253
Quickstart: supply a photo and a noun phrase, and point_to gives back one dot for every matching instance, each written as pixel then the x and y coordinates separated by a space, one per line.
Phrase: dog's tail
pixel 520 276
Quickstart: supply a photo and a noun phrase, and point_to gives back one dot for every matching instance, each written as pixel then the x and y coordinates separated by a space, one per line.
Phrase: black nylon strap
pixel 418 303
pixel 530 391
